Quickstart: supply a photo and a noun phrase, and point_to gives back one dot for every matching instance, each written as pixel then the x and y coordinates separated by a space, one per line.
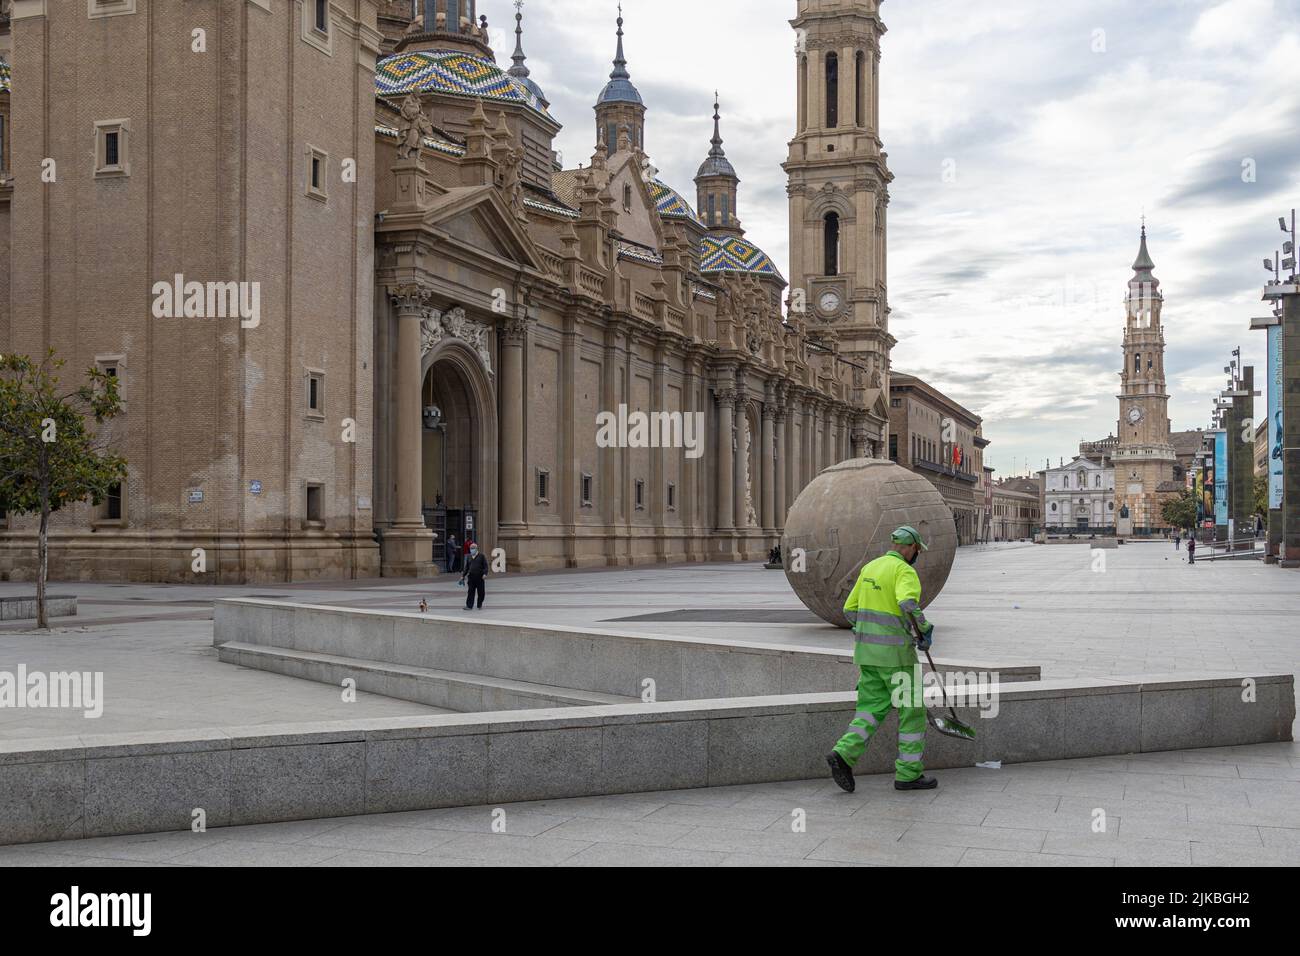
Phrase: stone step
pixel 22 607
pixel 448 690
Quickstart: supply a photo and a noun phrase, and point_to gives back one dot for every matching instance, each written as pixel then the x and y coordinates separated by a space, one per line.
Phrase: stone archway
pixel 458 447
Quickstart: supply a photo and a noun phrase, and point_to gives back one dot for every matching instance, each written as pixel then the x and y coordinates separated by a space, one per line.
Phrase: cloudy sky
pixel 1064 123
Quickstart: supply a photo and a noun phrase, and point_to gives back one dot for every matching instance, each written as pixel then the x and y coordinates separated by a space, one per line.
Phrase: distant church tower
pixel 1144 456
pixel 715 186
pixel 619 106
pixel 838 184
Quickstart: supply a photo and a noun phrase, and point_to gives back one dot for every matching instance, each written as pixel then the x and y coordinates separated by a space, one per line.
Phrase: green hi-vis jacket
pixel 886 587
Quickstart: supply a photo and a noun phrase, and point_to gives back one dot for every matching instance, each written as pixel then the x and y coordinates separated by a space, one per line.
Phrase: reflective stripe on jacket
pixel 885 588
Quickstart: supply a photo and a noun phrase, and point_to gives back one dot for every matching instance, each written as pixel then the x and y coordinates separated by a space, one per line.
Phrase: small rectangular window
pixel 317 165
pixel 112 154
pixel 672 496
pixel 586 491
pixel 322 22
pixel 639 492
pixel 315 393
pixel 543 487
pixel 315 503
pixel 113 502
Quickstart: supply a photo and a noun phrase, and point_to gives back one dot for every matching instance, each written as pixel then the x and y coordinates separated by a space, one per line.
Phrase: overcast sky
pixel 1064 122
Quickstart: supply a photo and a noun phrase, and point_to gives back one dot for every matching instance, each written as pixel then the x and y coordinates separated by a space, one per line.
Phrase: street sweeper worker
pixel 887 589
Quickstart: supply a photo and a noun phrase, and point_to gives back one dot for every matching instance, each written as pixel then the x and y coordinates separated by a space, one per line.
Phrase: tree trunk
pixel 43 560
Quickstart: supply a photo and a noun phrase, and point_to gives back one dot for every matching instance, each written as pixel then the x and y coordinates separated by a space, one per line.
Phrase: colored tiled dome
pixel 730 254
pixel 453 72
pixel 670 204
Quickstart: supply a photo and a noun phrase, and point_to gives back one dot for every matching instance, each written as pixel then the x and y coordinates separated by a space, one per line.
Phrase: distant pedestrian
pixel 1191 549
pixel 1178 542
pixel 476 568
pixel 453 554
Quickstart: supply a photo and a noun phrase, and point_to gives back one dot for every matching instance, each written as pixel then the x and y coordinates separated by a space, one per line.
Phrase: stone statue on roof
pixel 414 127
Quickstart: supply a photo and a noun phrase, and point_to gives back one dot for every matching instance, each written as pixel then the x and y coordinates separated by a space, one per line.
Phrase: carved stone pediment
pixel 454 323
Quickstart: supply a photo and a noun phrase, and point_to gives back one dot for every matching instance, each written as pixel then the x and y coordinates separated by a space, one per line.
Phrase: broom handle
pixel 916 633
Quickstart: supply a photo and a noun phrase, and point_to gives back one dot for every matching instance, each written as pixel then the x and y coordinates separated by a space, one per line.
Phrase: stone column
pixel 726 398
pixel 817 443
pixel 767 457
pixel 858 436
pixel 740 469
pixel 511 335
pixel 407 545
pixel 782 503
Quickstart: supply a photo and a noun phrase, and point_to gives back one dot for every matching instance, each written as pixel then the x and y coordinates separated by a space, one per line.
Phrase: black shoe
pixel 841 772
pixel 920 783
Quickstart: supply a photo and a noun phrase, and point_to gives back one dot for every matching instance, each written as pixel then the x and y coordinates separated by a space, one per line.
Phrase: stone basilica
pixel 443 312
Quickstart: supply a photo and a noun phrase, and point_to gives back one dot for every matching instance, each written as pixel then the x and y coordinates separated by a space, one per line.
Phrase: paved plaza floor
pixel 1144 611
pixel 1235 806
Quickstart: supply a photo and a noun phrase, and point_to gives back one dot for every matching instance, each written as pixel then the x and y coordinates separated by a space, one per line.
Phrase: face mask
pixel 473 551
pixel 912 559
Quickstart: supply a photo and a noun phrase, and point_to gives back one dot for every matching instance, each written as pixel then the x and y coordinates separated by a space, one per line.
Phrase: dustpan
pixel 947 724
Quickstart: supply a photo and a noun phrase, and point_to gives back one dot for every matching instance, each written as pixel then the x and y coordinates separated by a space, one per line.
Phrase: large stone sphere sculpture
pixel 843 519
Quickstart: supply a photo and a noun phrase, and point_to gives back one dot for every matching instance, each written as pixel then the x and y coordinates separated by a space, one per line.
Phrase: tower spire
pixel 520 69
pixel 620 62
pixel 1143 265
pixel 716 148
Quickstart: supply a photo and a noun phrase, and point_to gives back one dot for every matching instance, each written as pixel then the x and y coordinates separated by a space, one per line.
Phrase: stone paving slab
pixel 793 823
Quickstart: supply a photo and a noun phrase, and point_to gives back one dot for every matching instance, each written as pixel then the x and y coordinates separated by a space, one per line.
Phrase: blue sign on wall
pixel 1221 477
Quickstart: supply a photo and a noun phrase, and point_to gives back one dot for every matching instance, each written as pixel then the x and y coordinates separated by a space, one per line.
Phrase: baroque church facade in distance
pixel 442 312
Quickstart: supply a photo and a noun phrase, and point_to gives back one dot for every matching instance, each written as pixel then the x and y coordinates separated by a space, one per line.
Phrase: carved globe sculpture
pixel 843 519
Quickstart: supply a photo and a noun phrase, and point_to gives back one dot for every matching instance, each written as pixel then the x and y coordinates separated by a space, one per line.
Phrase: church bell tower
pixel 1144 456
pixel 838 187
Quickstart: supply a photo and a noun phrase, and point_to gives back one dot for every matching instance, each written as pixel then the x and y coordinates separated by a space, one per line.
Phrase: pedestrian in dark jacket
pixel 453 553
pixel 476 568
pixel 1191 549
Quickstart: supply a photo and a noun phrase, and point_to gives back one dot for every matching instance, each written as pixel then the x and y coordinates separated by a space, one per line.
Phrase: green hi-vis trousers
pixel 875 690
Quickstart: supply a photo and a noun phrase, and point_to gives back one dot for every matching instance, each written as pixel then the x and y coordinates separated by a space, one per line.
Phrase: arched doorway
pixel 458 452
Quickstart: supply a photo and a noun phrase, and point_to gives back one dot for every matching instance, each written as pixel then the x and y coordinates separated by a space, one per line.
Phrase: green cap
pixel 908 535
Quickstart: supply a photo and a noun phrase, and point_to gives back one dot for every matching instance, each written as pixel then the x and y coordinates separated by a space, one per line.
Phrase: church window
pixel 315 393
pixel 831 239
pixel 859 87
pixel 322 19
pixel 712 212
pixel 627 197
pixel 832 90
pixel 315 507
pixel 1148 363
pixel 1137 362
pixel 1097 484
pixel 611 138
pixel 317 161
pixel 111 157
pixel 726 209
pixel 112 507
